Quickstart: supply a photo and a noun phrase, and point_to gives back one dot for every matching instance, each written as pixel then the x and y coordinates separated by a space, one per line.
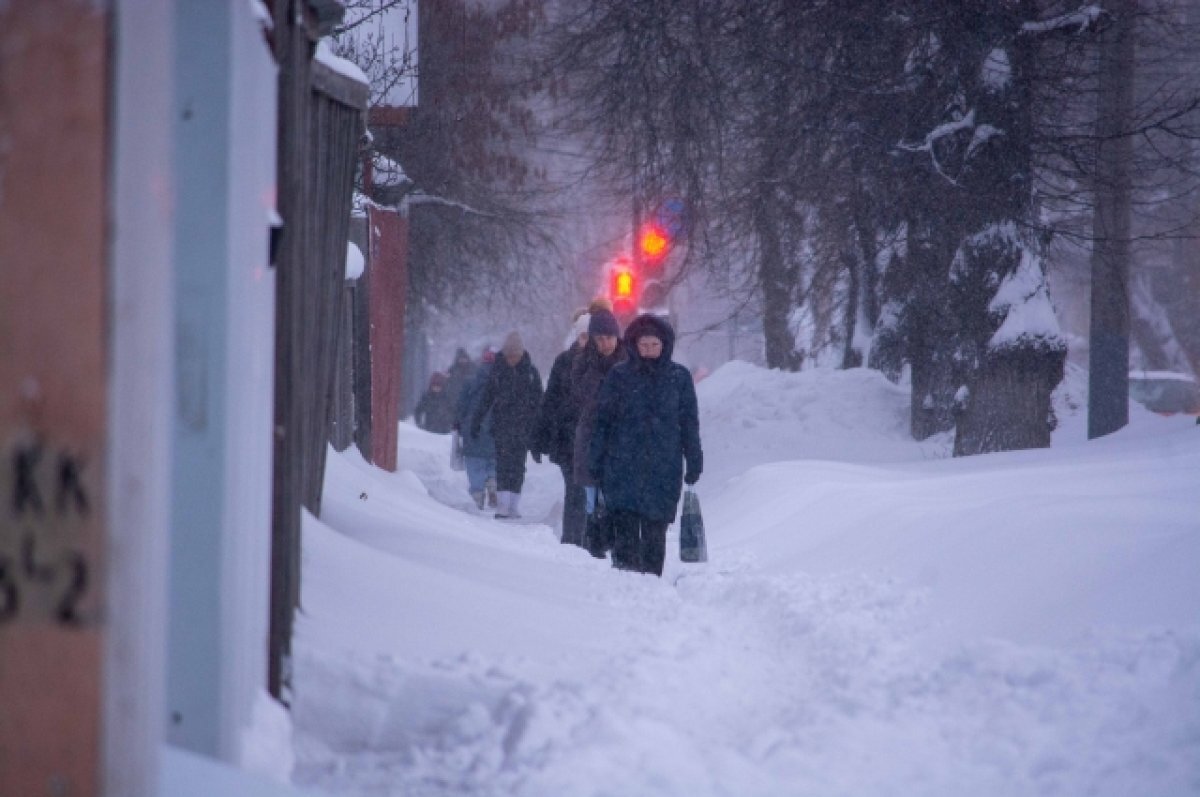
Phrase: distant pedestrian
pixel 555 435
pixel 645 442
pixel 479 450
pixel 459 374
pixel 435 411
pixel 599 303
pixel 603 351
pixel 513 394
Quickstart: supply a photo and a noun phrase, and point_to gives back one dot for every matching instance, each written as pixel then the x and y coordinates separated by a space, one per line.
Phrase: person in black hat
pixel 603 351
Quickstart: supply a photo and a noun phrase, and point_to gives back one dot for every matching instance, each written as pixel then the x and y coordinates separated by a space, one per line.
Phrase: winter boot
pixel 479 497
pixel 513 500
pixel 489 487
pixel 502 500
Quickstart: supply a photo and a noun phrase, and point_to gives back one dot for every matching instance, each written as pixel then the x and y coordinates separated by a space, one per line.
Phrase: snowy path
pixel 1018 625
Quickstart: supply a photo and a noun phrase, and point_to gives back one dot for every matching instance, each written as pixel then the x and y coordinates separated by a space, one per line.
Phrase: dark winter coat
pixel 481 446
pixel 459 375
pixel 647 425
pixel 589 371
pixel 435 412
pixel 513 394
pixel 559 412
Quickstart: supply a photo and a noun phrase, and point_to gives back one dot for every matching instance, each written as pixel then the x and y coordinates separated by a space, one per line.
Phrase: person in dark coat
pixel 513 395
pixel 459 375
pixel 435 410
pixel 602 352
pixel 645 442
pixel 555 435
pixel 479 450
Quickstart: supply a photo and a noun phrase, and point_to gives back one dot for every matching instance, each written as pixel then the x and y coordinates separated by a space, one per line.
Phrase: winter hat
pixel 437 380
pixel 513 346
pixel 488 355
pixel 600 303
pixel 604 322
pixel 580 327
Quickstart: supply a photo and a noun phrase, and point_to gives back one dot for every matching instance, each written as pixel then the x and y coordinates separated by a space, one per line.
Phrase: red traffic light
pixel 623 287
pixel 653 243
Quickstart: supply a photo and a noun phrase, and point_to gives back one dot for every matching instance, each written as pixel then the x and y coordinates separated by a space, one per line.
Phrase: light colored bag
pixel 457 462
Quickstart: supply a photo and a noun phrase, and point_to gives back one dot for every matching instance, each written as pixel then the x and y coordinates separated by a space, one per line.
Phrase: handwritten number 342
pixel 71 565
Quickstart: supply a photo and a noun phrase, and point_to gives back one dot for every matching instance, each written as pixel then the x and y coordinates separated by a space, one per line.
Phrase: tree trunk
pixel 864 286
pixel 930 337
pixel 852 357
pixel 1108 358
pixel 777 292
pixel 1010 388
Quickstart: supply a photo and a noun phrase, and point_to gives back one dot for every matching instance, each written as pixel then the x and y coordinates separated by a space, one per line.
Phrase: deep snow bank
pixel 750 415
pixel 1014 624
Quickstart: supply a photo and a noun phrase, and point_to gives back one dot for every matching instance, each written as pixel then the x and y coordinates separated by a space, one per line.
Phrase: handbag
pixel 597 535
pixel 693 547
pixel 457 461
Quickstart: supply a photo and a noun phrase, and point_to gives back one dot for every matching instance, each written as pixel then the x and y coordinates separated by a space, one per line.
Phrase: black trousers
pixel 639 544
pixel 510 465
pixel 574 517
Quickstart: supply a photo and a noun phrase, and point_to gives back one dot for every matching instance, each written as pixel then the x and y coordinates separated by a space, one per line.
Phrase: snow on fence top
pixel 338 64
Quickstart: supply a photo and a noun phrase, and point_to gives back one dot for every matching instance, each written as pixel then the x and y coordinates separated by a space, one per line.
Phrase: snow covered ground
pixel 875 618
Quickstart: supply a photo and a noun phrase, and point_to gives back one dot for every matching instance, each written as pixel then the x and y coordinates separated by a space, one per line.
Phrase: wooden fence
pixel 322 120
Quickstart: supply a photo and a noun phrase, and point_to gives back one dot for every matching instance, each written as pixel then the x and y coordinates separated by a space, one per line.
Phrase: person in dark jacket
pixel 555 435
pixel 458 375
pixel 645 442
pixel 513 394
pixel 435 410
pixel 479 450
pixel 602 352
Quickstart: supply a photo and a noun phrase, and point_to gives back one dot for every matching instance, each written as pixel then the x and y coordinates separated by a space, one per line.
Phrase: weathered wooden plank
pixel 341 427
pixel 292 54
pixel 389 281
pixel 53 394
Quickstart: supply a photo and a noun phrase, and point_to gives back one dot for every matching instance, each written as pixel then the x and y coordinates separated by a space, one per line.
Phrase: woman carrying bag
pixel 647 430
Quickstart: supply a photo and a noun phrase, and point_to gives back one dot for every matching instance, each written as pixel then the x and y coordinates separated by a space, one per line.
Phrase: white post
pixel 224 138
pixel 140 380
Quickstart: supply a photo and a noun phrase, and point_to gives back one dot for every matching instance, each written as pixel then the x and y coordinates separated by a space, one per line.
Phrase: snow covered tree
pixel 1009 351
pixel 902 173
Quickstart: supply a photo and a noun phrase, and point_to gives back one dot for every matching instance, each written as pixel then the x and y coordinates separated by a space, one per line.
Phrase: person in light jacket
pixel 645 444
pixel 479 450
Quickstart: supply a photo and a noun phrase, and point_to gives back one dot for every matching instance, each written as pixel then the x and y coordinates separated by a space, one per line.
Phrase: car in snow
pixel 1165 392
